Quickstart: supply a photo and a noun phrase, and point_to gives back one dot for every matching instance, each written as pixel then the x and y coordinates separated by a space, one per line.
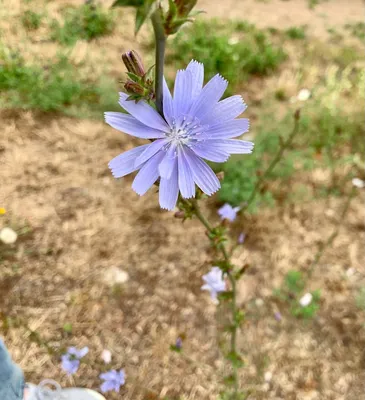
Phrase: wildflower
pixel 2 211
pixel 228 212
pixel 306 300
pixel 241 238
pixel 106 355
pixel 214 282
pixel 178 343
pixel 8 236
pixel 195 125
pixel 358 183
pixel 113 380
pixel 278 316
pixel 304 95
pixel 71 360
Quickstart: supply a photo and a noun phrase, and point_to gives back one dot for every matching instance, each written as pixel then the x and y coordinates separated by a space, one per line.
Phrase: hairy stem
pixel 160 39
pixel 233 304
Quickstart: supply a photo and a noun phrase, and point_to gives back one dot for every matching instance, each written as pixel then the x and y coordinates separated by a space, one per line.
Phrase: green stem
pixel 160 38
pixel 233 343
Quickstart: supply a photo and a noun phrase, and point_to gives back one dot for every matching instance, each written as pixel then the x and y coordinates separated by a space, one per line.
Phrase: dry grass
pixel 80 223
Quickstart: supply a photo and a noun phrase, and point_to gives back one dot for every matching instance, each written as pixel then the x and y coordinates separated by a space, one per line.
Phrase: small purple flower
pixel 278 316
pixel 214 282
pixel 71 360
pixel 228 212
pixel 195 125
pixel 178 343
pixel 113 380
pixel 241 238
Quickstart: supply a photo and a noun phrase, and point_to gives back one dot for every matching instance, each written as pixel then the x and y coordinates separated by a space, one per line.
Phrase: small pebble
pixel 8 236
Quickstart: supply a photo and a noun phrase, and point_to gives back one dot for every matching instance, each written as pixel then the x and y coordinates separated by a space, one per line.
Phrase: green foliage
pixel 67 327
pixel 31 20
pixel 56 86
pixel 357 29
pixel 236 51
pixel 143 9
pixel 330 136
pixel 296 32
pixel 292 291
pixel 86 22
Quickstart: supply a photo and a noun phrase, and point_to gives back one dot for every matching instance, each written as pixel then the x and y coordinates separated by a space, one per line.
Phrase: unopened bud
pixel 134 88
pixel 220 175
pixel 180 214
pixel 133 63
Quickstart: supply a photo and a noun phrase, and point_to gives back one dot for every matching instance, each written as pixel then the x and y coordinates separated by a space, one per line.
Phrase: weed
pixel 296 32
pixel 31 20
pixel 235 51
pixel 292 292
pixel 357 29
pixel 86 22
pixel 56 86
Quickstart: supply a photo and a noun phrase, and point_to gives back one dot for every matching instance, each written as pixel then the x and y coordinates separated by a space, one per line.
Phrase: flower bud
pixel 180 214
pixel 134 88
pixel 133 63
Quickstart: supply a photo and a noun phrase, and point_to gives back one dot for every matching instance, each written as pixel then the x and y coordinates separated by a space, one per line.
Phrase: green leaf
pixel 128 3
pixel 142 13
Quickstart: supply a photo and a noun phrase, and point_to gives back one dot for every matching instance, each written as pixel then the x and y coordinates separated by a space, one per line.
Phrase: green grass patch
pixel 55 86
pixel 296 32
pixel 357 29
pixel 325 140
pixel 86 22
pixel 291 293
pixel 31 20
pixel 236 50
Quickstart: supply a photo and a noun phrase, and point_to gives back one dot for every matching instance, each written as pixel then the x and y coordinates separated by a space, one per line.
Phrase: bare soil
pixel 79 227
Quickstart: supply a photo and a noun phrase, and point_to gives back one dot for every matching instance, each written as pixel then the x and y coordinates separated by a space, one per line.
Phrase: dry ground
pixel 79 226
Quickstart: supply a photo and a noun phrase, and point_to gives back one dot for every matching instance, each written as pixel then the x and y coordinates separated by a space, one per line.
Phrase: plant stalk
pixel 233 305
pixel 160 39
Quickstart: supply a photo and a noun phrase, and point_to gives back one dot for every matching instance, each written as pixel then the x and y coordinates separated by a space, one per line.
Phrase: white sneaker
pixel 50 390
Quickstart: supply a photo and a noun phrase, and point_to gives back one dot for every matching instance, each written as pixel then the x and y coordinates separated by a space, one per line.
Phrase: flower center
pixel 185 130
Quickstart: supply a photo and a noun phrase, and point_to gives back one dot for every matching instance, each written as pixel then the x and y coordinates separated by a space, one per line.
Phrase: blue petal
pixel 167 103
pixel 144 113
pixel 226 110
pixel 208 97
pixel 210 151
pixel 151 150
pixel 182 93
pixel 168 163
pixel 203 175
pixel 186 180
pixel 148 174
pixel 197 71
pixel 125 163
pixel 229 129
pixel 169 190
pixel 130 125
pixel 233 146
